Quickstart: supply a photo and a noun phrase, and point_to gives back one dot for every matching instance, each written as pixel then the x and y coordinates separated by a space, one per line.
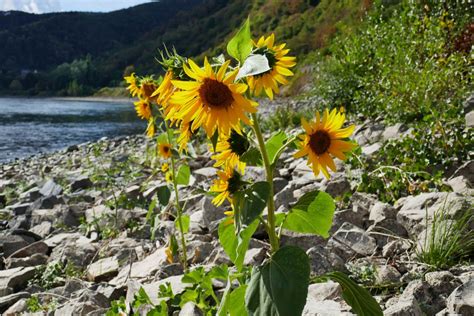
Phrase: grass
pixel 448 241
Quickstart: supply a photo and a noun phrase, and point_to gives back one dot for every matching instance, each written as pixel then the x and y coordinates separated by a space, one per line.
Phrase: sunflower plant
pixel 219 99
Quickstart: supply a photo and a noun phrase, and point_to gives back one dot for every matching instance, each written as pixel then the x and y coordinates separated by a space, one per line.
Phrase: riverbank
pixel 75 230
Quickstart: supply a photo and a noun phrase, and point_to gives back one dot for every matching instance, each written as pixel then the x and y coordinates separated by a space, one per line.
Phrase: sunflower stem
pixel 179 210
pixel 274 242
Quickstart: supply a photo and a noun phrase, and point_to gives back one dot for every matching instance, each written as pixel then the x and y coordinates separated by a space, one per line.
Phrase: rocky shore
pixel 74 232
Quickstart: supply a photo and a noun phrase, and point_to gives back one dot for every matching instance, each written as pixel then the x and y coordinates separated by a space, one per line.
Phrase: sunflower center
pixel 319 142
pixel 238 143
pixel 148 89
pixel 234 183
pixel 216 94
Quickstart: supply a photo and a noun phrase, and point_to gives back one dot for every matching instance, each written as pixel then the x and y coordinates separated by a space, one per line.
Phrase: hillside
pixel 78 53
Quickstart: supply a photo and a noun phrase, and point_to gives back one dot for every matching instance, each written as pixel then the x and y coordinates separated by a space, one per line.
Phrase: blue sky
pixel 42 6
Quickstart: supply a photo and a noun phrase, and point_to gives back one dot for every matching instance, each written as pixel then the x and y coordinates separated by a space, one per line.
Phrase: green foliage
pixel 235 244
pixel 283 118
pixel 313 214
pixel 279 287
pixel 54 274
pixel 357 297
pixel 163 193
pixel 184 174
pixel 449 241
pixel 274 144
pixel 251 203
pixel 240 45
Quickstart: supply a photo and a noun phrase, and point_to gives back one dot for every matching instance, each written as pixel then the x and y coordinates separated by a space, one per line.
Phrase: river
pixel 30 126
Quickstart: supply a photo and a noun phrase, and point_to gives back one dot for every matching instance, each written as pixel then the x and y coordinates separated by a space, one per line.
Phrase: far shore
pixel 85 98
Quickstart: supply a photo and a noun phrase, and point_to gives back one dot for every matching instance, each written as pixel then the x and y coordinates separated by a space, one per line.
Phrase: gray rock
pixel 81 183
pixel 381 211
pixel 205 174
pixel 442 282
pixel 79 252
pixel 466 170
pixel 461 300
pixel 285 197
pixel 370 150
pixel 13 280
pixel 323 261
pixel 17 309
pixel 255 256
pixel 460 185
pixel 8 300
pixel 404 307
pixel 393 131
pixel 303 241
pixel 356 239
pixel 103 269
pixel 387 274
pixel 19 209
pixel 338 187
pixel 190 309
pixel 50 188
pixel 279 183
pixel 43 229
pixel 38 247
pixel 395 247
pixel 198 251
pixel 210 212
pixel 34 260
pixel 324 308
pixel 470 119
pixel 11 243
pixel 362 203
pixel 31 195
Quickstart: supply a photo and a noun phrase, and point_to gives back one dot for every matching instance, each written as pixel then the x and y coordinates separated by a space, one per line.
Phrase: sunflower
pixel 324 138
pixel 143 108
pixel 185 135
pixel 169 177
pixel 147 89
pixel 230 149
pixel 165 167
pixel 151 128
pixel 164 150
pixel 132 85
pixel 229 182
pixel 212 100
pixel 164 90
pixel 279 67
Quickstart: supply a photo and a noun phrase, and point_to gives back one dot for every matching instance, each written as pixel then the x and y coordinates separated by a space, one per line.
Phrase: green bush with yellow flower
pixel 219 100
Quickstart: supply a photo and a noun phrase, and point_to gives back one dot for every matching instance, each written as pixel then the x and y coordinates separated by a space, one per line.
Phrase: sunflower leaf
pixel 253 202
pixel 185 220
pixel 253 65
pixel 163 193
pixel 184 173
pixel 252 157
pixel 214 139
pixel 274 144
pixel 312 214
pixel 240 46
pixel 357 297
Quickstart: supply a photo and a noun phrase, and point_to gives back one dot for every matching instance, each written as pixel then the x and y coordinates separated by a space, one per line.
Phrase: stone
pixel 31 195
pixel 152 288
pixel 404 307
pixel 50 188
pixel 370 150
pixel 301 240
pixel 324 308
pixel 387 274
pixel 323 261
pixel 19 209
pixel 362 203
pixel 442 282
pixel 466 170
pixel 81 183
pixel 338 187
pixel 43 229
pixel 279 183
pixel 103 269
pixel 255 174
pixel 381 211
pixel 460 185
pixel 38 247
pixel 470 119
pixel 79 252
pixel 34 260
pixel 11 243
pixel 14 280
pixel 395 247
pixel 196 223
pixel 198 251
pixel 461 300
pixel 285 197
pixel 205 174
pixel 18 308
pixel 210 212
pixel 8 300
pixel 325 291
pixel 255 256
pixel 190 309
pixel 355 239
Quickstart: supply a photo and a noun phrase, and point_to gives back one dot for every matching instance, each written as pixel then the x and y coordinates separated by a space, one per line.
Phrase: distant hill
pixel 76 53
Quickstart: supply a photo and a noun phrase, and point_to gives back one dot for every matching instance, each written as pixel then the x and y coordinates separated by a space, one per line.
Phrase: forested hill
pixel 76 53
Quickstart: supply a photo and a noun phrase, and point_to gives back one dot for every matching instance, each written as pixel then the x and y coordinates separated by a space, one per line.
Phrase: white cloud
pixel 32 6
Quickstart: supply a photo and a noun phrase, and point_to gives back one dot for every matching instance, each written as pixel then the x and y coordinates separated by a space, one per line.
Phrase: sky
pixel 43 6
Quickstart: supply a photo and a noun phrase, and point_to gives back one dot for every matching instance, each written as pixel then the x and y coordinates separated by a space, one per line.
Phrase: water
pixel 31 126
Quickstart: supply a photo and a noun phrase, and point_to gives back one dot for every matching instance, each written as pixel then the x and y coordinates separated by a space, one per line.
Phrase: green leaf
pixel 274 144
pixel 235 245
pixel 240 46
pixel 233 302
pixel 252 157
pixel 362 303
pixel 253 65
pixel 280 287
pixel 151 210
pixel 184 174
pixel 185 220
pixel 163 193
pixel 214 139
pixel 162 138
pixel 252 202
pixel 312 214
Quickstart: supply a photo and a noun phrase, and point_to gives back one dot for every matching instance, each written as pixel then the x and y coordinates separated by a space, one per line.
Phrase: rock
pixel 466 170
pixel 18 308
pixel 11 299
pixel 387 274
pixel 11 243
pixel 337 187
pixel 303 241
pixel 153 288
pixel 43 229
pixel 14 280
pixel 210 212
pixel 325 291
pixel 404 307
pixel 395 247
pixel 86 302
pixel 19 209
pixel 255 174
pixel 442 282
pixel 198 251
pixel 196 223
pixel 285 197
pixel 279 183
pixel 370 150
pixel 255 256
pixel 50 188
pixel 31 195
pixel 416 211
pixel 38 247
pixel 323 261
pixel 79 252
pixel 190 309
pixel 381 211
pixel 356 239
pixel 393 131
pixel 103 269
pixel 362 203
pixel 205 174
pixel 470 119
pixel 461 300
pixel 324 308
pixel 34 260
pixel 81 183
pixel 460 185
